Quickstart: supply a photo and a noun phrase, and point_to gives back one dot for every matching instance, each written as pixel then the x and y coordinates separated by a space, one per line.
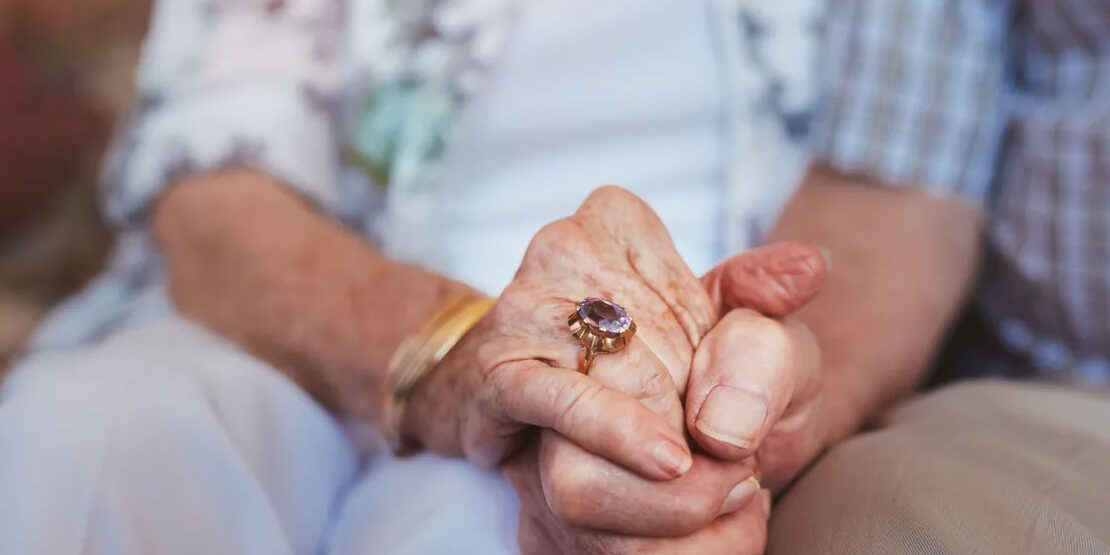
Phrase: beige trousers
pixel 979 467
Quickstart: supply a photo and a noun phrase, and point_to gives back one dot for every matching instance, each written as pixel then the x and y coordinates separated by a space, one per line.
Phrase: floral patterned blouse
pixel 351 103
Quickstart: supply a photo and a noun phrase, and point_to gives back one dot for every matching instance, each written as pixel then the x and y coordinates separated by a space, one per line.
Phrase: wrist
pixel 431 420
pixel 434 418
pixel 394 301
pixel 842 412
pixel 421 358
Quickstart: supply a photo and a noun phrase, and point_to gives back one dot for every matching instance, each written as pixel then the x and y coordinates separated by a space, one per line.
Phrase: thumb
pixel 774 280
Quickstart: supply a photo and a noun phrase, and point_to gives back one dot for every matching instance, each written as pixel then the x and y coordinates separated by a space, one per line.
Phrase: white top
pixel 628 94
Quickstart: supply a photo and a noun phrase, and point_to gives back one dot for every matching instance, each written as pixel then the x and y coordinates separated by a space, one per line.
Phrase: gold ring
pixel 601 326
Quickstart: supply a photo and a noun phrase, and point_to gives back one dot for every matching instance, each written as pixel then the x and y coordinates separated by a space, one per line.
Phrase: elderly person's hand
pixel 518 367
pixel 606 473
pixel 696 513
pixel 574 502
pixel 521 358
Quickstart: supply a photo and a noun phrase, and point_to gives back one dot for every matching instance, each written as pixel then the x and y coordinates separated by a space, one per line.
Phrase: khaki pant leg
pixel 979 467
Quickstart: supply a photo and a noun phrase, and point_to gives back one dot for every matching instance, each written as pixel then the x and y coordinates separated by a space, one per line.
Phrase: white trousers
pixel 165 439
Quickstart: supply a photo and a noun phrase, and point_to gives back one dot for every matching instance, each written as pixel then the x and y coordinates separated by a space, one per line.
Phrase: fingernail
pixel 827 255
pixel 672 459
pixel 731 416
pixel 740 496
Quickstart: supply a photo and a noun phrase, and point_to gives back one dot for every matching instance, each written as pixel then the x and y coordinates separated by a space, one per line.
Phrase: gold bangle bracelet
pixel 420 353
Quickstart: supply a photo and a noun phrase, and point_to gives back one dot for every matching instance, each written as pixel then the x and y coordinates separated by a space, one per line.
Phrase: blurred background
pixel 65 76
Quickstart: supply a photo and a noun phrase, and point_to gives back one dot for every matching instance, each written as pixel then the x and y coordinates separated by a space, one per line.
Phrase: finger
pixel 638 373
pixel 744 374
pixel 743 532
pixel 775 279
pixel 536 529
pixel 610 424
pixel 589 492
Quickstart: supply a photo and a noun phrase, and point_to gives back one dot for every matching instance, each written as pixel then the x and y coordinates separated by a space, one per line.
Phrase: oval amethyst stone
pixel 604 315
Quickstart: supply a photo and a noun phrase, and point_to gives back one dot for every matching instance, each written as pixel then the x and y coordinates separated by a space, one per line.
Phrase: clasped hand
pixel 671 445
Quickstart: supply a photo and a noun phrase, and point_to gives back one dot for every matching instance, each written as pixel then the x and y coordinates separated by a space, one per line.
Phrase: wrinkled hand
pixel 517 368
pixel 581 504
pixel 616 247
pixel 587 483
pixel 692 516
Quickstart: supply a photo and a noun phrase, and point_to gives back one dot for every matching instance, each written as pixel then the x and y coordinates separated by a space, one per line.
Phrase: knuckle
pixel 771 338
pixel 567 486
pixel 629 423
pixel 492 382
pixel 775 336
pixel 654 382
pixel 564 506
pixel 657 394
pixel 588 543
pixel 593 543
pixel 492 393
pixel 739 323
pixel 554 234
pixel 611 194
pixel 553 247
pixel 611 197
pixel 694 511
pixel 569 400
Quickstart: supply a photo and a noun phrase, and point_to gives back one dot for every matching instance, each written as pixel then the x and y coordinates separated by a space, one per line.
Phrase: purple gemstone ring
pixel 601 326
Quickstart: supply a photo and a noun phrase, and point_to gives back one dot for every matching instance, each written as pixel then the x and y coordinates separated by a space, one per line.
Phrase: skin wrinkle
pixel 563 416
pixel 687 322
pixel 652 386
pixel 793 270
pixel 556 329
pixel 600 250
pixel 644 376
pixel 688 330
pixel 644 312
pixel 666 509
pixel 655 376
pixel 679 383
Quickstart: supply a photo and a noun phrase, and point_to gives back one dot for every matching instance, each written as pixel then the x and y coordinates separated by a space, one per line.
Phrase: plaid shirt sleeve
pixel 914 92
pixel 227 83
